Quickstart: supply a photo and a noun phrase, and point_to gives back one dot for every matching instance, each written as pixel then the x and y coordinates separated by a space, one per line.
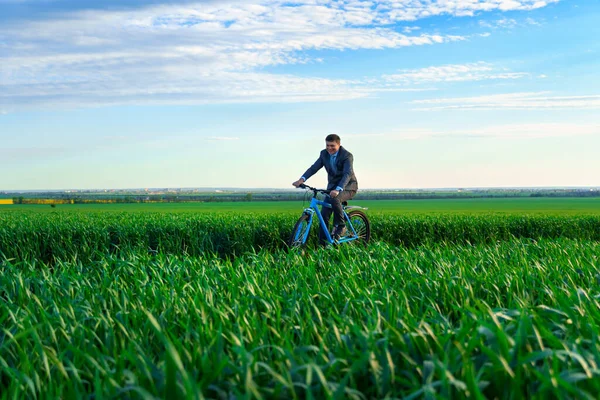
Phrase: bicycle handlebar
pixel 315 190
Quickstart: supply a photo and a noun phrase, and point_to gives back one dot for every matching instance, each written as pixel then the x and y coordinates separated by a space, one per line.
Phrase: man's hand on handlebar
pixel 298 182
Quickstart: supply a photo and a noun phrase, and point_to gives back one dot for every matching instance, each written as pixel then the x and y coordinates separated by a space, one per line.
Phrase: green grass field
pixel 545 206
pixel 518 319
pixel 486 298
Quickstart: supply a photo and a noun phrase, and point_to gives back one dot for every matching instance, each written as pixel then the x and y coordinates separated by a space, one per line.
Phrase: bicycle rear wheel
pixel 361 225
pixel 297 238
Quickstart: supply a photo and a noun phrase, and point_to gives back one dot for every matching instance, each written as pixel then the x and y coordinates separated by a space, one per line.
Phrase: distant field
pixel 555 206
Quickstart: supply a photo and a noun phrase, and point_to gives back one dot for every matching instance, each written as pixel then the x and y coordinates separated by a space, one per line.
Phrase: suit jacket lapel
pixel 339 157
pixel 328 162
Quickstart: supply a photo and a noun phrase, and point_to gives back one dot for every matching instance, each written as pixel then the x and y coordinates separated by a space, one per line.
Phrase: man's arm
pixel 347 172
pixel 313 168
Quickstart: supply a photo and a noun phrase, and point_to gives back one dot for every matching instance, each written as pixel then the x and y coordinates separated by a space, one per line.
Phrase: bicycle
pixel 358 227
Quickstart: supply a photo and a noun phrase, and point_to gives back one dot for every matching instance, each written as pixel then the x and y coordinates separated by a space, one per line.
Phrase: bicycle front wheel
pixel 299 234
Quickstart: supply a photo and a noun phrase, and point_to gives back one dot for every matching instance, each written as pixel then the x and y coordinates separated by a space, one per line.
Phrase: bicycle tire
pixel 295 240
pixel 361 225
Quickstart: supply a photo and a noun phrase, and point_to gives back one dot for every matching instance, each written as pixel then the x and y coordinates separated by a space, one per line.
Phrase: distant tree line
pixel 590 193
pixel 69 198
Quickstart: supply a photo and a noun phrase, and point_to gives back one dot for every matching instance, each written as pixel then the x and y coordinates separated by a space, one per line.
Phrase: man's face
pixel 332 147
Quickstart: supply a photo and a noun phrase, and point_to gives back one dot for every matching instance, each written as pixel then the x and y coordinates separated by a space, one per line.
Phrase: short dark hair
pixel 333 138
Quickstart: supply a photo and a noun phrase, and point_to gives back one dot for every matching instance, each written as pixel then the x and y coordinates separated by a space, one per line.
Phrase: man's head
pixel 332 143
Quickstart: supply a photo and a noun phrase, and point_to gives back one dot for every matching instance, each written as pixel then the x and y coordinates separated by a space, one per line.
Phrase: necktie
pixel 333 166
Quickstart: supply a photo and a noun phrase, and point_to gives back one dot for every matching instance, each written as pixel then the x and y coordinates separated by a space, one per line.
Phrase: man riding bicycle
pixel 341 182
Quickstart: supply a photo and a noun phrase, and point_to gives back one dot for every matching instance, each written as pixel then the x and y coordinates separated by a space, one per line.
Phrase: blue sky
pixel 241 93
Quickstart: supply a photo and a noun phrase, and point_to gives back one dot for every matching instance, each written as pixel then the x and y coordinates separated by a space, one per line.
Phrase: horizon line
pixel 7 191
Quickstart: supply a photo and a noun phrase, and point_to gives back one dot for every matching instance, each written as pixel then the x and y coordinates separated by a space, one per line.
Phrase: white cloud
pixel 524 100
pixel 410 29
pixel 210 52
pixel 531 21
pixel 501 23
pixel 507 23
pixel 454 73
pixel 410 10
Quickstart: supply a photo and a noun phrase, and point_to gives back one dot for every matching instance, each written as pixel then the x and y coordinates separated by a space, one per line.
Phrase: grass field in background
pixel 554 206
pixel 86 237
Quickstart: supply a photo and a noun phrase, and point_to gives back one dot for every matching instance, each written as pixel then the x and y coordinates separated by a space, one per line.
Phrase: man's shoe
pixel 338 232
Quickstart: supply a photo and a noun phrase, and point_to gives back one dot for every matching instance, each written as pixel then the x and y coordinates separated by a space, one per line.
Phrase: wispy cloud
pixel 454 73
pixel 222 138
pixel 532 130
pixel 531 21
pixel 526 100
pixel 505 131
pixel 508 23
pixel 500 23
pixel 410 29
pixel 213 52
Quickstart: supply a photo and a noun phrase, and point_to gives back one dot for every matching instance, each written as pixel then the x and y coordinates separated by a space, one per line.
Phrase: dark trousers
pixel 337 209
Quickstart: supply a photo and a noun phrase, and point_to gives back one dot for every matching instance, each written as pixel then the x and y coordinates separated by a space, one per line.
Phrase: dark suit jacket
pixel 344 177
